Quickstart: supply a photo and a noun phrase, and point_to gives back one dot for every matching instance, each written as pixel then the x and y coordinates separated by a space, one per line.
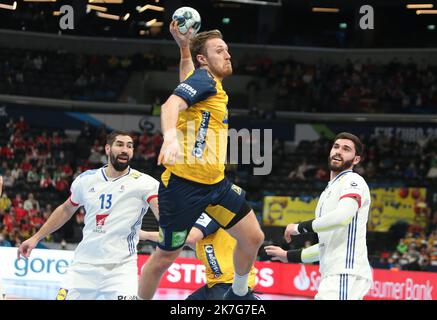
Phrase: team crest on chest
pixel 100 222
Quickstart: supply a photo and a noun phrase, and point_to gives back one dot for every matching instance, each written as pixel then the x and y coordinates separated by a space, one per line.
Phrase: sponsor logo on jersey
pixel 161 235
pixel 62 294
pixel 212 260
pixel 92 190
pixel 100 222
pixel 225 119
pixel 200 144
pixel 135 175
pixel 187 89
pixel 178 238
pixel 121 189
pixel 236 188
pixel 127 297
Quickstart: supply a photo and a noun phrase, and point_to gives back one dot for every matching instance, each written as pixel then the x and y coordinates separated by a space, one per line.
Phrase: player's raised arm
pixel 186 64
pixel 57 219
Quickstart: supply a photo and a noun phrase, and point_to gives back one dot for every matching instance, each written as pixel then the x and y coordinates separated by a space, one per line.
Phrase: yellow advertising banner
pixel 394 204
pixel 388 206
pixel 280 211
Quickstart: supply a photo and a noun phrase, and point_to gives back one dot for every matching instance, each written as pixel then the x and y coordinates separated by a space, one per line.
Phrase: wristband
pixel 305 227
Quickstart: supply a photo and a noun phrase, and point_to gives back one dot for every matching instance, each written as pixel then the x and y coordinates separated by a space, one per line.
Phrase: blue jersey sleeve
pixel 197 87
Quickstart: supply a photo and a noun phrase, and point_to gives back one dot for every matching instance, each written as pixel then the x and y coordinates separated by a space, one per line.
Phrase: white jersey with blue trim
pixel 114 211
pixel 344 250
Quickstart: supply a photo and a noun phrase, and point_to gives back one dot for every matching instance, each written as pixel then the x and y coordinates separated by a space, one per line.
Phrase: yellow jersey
pixel 202 129
pixel 216 253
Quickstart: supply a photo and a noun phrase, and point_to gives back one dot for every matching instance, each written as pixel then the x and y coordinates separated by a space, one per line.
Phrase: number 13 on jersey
pixel 105 201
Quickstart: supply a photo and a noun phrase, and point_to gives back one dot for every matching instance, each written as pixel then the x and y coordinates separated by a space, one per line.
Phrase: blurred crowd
pixel 356 86
pixel 417 251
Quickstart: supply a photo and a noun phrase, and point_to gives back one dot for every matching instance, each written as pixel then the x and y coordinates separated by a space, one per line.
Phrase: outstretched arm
pixel 57 219
pixel 307 255
pixel 149 235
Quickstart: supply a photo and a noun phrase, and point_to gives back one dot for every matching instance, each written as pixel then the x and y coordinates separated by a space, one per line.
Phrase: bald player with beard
pixel 115 198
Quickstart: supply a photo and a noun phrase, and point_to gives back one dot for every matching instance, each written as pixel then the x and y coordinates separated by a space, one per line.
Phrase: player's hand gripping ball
pixel 187 18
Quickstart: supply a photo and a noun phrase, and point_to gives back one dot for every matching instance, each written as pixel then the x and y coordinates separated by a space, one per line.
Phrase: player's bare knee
pixel 252 240
pixel 164 259
pixel 258 238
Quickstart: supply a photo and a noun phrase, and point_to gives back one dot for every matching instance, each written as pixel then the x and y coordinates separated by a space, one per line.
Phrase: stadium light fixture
pixel 418 12
pixel 106 1
pixel 8 6
pixel 39 0
pixel 328 10
pixel 151 22
pixel 126 16
pixel 107 16
pixel 90 7
pixel 420 6
pixel 149 7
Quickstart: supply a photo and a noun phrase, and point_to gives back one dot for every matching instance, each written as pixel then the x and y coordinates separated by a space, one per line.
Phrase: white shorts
pixel 343 287
pixel 100 282
pixel 2 295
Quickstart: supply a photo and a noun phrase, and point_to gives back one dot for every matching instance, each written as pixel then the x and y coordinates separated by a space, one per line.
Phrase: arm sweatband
pixel 307 255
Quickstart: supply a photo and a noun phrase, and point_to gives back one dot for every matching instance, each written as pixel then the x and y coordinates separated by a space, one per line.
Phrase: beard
pixel 221 72
pixel 341 167
pixel 118 166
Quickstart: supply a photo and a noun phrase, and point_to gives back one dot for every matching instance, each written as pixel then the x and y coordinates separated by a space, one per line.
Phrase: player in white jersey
pixel 2 295
pixel 115 198
pixel 340 223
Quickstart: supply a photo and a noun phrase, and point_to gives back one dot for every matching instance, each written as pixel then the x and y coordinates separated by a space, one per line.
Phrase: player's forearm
pixel 340 217
pixel 149 235
pixel 56 220
pixel 169 119
pixel 307 255
pixel 186 64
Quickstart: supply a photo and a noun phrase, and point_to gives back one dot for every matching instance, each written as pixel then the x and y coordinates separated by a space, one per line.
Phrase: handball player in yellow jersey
pixel 214 247
pixel 194 121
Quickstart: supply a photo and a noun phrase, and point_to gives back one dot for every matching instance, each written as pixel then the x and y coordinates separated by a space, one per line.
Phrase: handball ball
pixel 187 18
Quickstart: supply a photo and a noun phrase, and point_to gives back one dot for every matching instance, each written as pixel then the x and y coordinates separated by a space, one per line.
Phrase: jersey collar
pixel 337 177
pixel 108 179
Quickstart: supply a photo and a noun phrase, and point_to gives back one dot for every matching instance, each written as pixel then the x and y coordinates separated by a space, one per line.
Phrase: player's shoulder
pixel 87 174
pixel 140 176
pixel 354 178
pixel 201 75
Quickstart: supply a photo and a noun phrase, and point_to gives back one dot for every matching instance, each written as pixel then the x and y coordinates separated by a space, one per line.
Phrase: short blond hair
pixel 197 44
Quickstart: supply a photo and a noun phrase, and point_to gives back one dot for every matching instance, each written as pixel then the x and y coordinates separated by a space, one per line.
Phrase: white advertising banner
pixel 42 265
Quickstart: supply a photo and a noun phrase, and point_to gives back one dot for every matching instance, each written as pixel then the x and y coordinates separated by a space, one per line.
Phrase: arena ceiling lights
pixel 420 6
pixel 325 10
pixel 277 3
pixel 106 1
pixel 149 7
